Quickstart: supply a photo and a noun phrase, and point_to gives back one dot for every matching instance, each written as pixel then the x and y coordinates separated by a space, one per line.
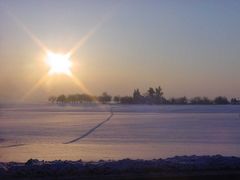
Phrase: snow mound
pixel 37 168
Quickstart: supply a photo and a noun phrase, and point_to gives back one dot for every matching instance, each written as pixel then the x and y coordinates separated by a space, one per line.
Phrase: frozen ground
pixel 93 132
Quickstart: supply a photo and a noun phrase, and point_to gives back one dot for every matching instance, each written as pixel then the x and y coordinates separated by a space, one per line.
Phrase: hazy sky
pixel 188 47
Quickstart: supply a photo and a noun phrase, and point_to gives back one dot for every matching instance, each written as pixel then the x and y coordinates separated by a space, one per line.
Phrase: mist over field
pixel 119 89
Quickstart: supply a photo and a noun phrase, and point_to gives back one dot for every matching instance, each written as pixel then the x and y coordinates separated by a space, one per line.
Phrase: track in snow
pixel 91 130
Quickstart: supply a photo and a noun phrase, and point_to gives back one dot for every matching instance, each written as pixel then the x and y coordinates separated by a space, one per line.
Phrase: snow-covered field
pixel 93 132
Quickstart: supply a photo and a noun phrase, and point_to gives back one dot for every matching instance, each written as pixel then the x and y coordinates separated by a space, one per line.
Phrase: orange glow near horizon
pixel 57 62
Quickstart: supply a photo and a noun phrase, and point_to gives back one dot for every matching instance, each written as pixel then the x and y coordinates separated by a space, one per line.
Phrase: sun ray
pixel 79 44
pixel 92 31
pixel 36 86
pixel 80 85
pixel 85 90
pixel 28 32
pixel 84 39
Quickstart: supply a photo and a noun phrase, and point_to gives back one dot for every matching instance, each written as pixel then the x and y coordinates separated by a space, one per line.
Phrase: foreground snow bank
pixel 36 168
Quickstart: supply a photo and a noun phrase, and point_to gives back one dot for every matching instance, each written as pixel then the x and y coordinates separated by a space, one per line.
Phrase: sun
pixel 59 63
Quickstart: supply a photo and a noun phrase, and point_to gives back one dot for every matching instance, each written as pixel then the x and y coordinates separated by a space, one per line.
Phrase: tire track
pixel 13 145
pixel 93 129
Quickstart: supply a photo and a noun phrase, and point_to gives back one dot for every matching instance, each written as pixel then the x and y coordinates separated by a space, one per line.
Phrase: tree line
pixel 152 96
pixel 80 98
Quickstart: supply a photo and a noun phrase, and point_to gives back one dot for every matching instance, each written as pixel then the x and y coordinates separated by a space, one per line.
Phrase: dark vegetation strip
pixel 179 167
pixel 152 96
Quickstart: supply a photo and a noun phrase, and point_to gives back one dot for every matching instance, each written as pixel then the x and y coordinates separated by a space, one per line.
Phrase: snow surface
pixel 41 131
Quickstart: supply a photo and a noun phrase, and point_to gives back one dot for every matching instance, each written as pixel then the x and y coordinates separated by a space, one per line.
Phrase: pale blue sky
pixel 188 47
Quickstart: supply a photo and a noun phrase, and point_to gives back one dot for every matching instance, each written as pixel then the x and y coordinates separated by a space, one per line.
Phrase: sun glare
pixel 59 63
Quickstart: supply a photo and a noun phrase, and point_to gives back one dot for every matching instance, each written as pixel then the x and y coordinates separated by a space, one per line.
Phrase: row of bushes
pixel 180 100
pixel 79 98
pixel 152 96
